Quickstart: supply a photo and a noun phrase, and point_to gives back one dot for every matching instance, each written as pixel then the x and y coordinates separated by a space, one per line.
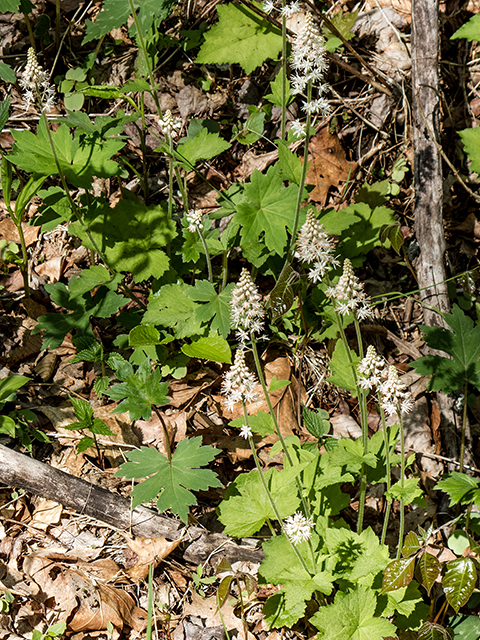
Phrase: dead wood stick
pixel 429 191
pixel 20 471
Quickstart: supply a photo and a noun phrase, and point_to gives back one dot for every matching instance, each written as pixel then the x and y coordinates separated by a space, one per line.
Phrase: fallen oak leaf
pixel 328 165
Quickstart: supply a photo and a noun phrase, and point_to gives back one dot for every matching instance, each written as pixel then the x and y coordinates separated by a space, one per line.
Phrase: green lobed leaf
pixel 352 617
pixel 240 36
pixel 203 146
pixel 246 506
pixel 81 158
pixel 261 423
pixel 115 13
pixel 461 489
pixel 349 454
pixel 172 309
pixel 89 279
pixel 462 344
pixel 217 307
pixel 470 30
pixel 282 566
pixel 213 348
pixel 363 236
pixel 55 326
pixel 9 6
pixel 131 235
pixel 140 391
pixel 290 163
pixel 407 493
pixel 143 335
pixel 267 212
pixel 343 371
pixel 353 556
pixel 404 602
pixel 171 481
pixel 459 581
pixel 344 22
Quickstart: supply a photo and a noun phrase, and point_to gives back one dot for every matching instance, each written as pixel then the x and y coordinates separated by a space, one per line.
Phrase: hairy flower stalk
pixel 246 310
pixel 298 528
pixel 349 294
pixel 309 64
pixel 170 125
pixel 239 382
pixel 314 245
pixel 195 225
pixel 395 399
pixel 372 370
pixel 35 84
pixel 195 220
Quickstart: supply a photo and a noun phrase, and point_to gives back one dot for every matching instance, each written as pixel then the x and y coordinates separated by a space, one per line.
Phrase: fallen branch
pixel 20 471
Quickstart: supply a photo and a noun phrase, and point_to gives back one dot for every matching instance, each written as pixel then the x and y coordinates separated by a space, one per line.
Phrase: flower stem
pixel 270 498
pixel 261 378
pixel 402 480
pixel 301 185
pixel 387 468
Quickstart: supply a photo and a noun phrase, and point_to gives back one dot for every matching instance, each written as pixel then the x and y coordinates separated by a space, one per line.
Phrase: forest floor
pixel 89 573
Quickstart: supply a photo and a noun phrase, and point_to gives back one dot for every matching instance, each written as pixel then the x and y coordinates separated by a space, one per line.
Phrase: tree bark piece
pixel 427 163
pixel 429 192
pixel 18 470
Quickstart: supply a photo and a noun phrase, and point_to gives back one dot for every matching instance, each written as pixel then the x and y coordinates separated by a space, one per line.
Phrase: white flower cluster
pixel 315 245
pixel 350 295
pixel 298 528
pixel 245 431
pixel 309 64
pixel 372 369
pixel 195 220
pixel 290 9
pixel 246 310
pixel 170 125
pixel 34 83
pixel 238 383
pixel 395 398
pixel 287 11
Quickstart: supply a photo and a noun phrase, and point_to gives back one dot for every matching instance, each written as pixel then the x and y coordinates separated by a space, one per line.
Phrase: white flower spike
pixel 315 245
pixel 298 528
pixel 170 125
pixel 239 382
pixel 35 84
pixel 246 310
pixel 350 295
